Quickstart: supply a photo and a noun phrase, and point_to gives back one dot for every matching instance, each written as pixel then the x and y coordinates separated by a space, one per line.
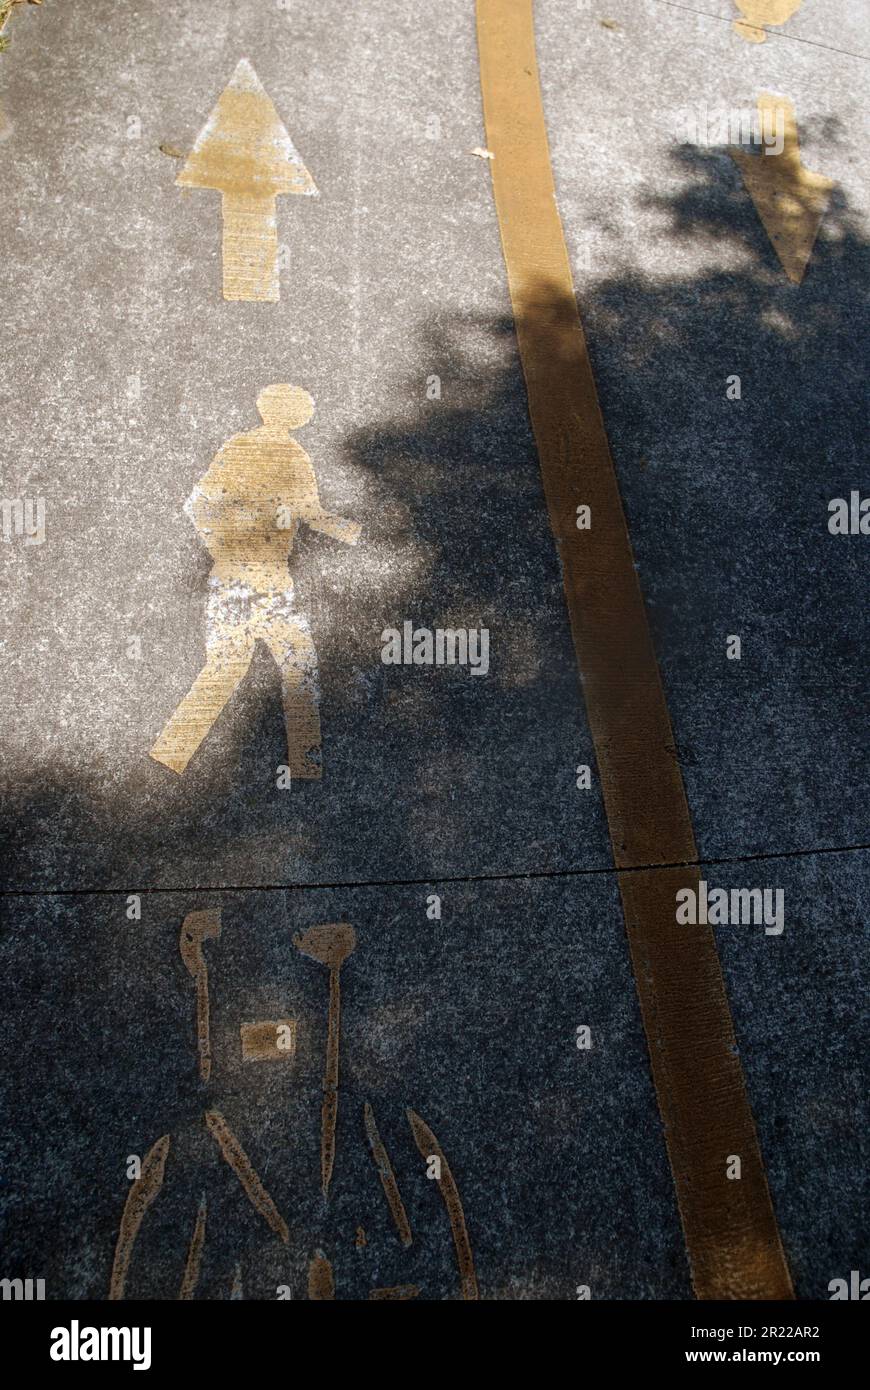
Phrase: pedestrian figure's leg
pixel 289 640
pixel 229 656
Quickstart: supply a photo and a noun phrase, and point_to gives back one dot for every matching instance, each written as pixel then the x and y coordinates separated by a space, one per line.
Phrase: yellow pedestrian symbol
pixel 248 508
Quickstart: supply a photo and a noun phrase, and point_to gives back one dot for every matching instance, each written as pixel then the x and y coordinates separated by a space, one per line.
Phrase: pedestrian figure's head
pixel 285 407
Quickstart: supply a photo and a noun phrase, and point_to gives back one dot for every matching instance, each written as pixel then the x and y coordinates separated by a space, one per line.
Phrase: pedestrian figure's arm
pixel 307 504
pixel 336 526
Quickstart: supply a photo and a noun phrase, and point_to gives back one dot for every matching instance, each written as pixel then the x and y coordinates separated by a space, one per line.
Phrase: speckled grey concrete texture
pixel 125 373
pixel 799 1002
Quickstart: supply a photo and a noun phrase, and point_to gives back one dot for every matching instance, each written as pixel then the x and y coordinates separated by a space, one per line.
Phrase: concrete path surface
pixel 299 630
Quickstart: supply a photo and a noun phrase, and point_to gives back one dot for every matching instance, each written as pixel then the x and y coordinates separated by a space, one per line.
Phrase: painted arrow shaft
pixel 250 248
pixel 245 153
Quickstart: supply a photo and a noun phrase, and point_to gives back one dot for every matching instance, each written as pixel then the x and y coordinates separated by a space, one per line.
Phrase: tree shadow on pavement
pixel 726 501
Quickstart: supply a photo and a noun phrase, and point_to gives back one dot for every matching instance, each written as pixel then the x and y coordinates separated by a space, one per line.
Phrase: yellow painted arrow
pixel 244 152
pixel 790 200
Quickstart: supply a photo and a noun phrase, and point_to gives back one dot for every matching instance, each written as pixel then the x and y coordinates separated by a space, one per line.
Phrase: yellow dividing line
pixel 730 1229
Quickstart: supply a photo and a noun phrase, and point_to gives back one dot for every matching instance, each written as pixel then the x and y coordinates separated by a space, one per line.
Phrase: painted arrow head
pixel 331 943
pixel 244 148
pixel 790 199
